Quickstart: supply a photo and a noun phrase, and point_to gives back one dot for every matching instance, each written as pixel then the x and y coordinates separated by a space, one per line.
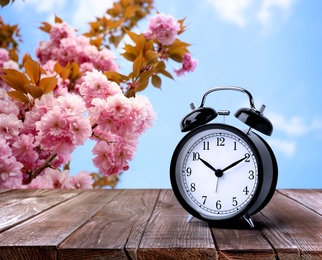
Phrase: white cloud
pixel 242 12
pixel 86 11
pixel 268 7
pixel 294 126
pixel 290 130
pixel 287 147
pixel 232 10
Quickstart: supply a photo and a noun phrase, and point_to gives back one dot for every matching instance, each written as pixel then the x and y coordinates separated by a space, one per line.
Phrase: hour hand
pixel 207 164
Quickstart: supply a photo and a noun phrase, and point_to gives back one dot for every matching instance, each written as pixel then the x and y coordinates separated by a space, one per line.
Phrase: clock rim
pixel 173 173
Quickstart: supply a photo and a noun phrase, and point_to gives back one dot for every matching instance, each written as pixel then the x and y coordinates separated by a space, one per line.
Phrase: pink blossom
pixel 57 179
pixel 10 174
pixel 83 180
pixel 164 28
pixel 41 107
pixel 96 85
pixel 60 31
pixel 112 114
pixel 10 126
pixel 7 106
pixel 64 127
pixel 112 158
pixel 65 46
pixel 188 65
pixel 4 56
pixel 24 149
pixel 142 113
pixel 10 64
pixel 41 182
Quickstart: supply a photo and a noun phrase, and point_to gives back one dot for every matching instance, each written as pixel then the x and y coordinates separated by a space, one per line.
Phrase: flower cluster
pixel 163 28
pixel 188 65
pixel 74 93
pixel 52 128
pixel 66 46
pixel 118 121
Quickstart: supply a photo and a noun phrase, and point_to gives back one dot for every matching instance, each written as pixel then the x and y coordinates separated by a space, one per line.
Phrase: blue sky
pixel 270 47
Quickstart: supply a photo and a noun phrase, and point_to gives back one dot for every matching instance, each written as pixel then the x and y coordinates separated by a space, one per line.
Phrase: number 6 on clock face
pixel 217 173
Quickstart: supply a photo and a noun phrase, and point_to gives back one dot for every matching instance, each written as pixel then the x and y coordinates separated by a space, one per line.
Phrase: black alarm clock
pixel 219 172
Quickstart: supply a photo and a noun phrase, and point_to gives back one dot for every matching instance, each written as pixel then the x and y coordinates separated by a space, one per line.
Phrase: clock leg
pixel 249 220
pixel 190 217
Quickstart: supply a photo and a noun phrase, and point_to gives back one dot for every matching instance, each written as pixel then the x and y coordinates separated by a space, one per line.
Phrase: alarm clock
pixel 220 173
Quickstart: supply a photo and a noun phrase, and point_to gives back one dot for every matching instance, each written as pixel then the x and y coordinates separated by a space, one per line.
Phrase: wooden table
pixel 150 224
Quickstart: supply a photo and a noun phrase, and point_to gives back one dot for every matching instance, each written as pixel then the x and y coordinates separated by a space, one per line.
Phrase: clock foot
pixel 249 220
pixel 190 217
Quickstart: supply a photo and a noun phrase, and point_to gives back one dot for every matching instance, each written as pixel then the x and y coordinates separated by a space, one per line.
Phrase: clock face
pixel 215 172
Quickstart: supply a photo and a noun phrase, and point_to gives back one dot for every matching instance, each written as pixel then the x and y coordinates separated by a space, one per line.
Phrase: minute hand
pixel 234 164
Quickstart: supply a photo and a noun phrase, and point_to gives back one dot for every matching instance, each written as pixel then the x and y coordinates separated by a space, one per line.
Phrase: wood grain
pixel 169 236
pixel 309 198
pixel 151 224
pixel 293 230
pixel 24 204
pixel 118 227
pixel 238 241
pixel 47 230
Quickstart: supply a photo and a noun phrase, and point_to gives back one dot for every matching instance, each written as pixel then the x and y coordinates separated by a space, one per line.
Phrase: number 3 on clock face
pixel 216 172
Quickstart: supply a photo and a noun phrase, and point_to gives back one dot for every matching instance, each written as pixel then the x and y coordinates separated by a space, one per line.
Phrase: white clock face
pixel 217 172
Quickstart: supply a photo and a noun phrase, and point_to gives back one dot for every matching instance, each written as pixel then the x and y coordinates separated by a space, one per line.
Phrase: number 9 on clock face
pixel 217 173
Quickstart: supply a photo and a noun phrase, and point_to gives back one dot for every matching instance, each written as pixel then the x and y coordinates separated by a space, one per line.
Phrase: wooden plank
pixel 311 198
pixel 115 231
pixel 237 240
pixel 169 236
pixel 293 230
pixel 44 232
pixel 19 205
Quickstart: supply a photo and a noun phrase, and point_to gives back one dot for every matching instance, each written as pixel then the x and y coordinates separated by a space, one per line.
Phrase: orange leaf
pixel 58 68
pixel 137 65
pixel 15 79
pixel 33 70
pixel 151 57
pixel 75 70
pixel 48 84
pixel 132 35
pixel 129 56
pixel 156 81
pixel 176 57
pixel 34 91
pixel 46 27
pixel 65 73
pixel 16 95
pixel 58 20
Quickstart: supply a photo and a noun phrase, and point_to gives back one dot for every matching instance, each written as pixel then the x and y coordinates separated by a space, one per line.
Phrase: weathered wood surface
pixel 150 224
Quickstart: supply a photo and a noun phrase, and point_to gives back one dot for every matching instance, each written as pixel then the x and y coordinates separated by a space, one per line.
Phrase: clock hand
pixel 207 164
pixel 212 168
pixel 234 164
